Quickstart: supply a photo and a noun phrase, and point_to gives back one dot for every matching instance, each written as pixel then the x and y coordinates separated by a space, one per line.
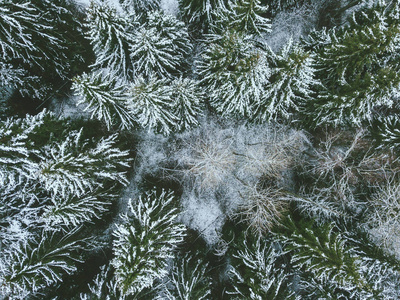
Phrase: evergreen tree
pixel 331 263
pixel 257 273
pixel 72 210
pixel 386 131
pixel 72 166
pixel 201 13
pixel 290 83
pixel 30 266
pixel 160 46
pixel 103 287
pixel 110 35
pixel 105 97
pixel 357 68
pixel 187 102
pixel 234 73
pixel 189 280
pixel 10 77
pixel 145 241
pixel 248 17
pixel 16 148
pixel 152 105
pixel 42 40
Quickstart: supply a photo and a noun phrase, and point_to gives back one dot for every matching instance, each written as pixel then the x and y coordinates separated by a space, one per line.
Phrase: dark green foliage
pixel 33 265
pixel 234 72
pixel 332 265
pixel 161 46
pixel 201 14
pixel 248 16
pixel 137 7
pixel 110 35
pixel 105 97
pixel 290 85
pixel 144 242
pixel 356 68
pixel 258 271
pixel 189 279
pixel 321 251
pixel 42 41
pixel 386 131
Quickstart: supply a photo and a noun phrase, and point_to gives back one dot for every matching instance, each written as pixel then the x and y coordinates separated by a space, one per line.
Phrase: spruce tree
pixel 145 241
pixel 257 274
pixel 234 73
pixel 31 266
pixel 110 35
pixel 386 131
pixel 290 83
pixel 201 14
pixel 160 46
pixel 16 148
pixel 357 69
pixel 72 210
pixel 248 16
pixel 72 166
pixel 187 102
pixel 332 262
pixel 43 41
pixel 152 105
pixel 103 286
pixel 189 279
pixel 105 96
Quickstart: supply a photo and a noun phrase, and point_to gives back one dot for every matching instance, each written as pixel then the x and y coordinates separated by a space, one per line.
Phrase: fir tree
pixel 16 148
pixel 248 17
pixel 29 267
pixel 74 167
pixel 41 39
pixel 72 210
pixel 331 262
pixel 257 274
pixel 110 35
pixel 10 77
pixel 160 46
pixel 187 102
pixel 173 29
pixel 105 97
pixel 356 68
pixel 234 73
pixel 151 104
pixel 189 280
pixel 144 242
pixel 201 13
pixel 103 286
pixel 386 131
pixel 290 83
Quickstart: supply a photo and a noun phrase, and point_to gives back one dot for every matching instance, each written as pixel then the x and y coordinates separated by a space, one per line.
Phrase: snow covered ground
pixel 293 24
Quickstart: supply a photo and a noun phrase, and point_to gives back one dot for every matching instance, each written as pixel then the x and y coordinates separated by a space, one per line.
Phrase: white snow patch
pixel 204 215
pixel 294 24
pixel 215 163
pixel 170 6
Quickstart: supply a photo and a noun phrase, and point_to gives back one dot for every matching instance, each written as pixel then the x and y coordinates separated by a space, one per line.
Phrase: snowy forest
pixel 199 149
